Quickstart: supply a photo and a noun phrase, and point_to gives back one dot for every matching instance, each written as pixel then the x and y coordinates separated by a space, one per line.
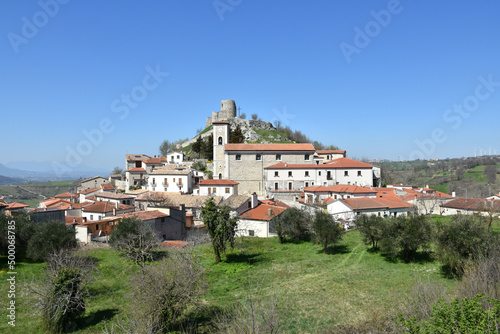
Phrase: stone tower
pixel 227 112
pixel 221 138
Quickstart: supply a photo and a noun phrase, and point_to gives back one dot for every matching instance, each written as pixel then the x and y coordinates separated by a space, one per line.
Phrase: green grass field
pixel 315 290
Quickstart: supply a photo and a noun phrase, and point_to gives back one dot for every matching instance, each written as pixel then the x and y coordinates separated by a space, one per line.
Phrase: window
pixel 227 191
pixel 251 233
pixel 306 157
pixel 180 181
pixel 220 176
pixel 275 185
pixel 238 157
pixel 319 173
pixel 138 164
pixel 346 173
pixel 359 173
pixel 91 217
pixel 220 140
pixel 153 180
pixel 174 179
pixel 258 157
pixel 290 174
pixel 290 185
pixel 307 184
pixel 214 190
pixel 165 182
pixel 278 157
pixel 178 156
pixel 307 173
pixel 276 174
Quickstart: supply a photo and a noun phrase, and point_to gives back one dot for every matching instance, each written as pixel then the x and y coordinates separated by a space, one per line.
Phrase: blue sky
pixel 392 97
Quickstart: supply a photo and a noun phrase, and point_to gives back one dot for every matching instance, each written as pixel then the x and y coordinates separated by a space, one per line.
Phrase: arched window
pixel 220 140
pixel 220 176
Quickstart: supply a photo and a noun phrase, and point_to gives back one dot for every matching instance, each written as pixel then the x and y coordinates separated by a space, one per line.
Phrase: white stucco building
pixel 169 179
pixel 216 187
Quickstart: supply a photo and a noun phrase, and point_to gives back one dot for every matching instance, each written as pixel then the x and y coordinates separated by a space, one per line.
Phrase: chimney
pixel 114 212
pixel 427 186
pixel 255 200
pixel 453 194
pixel 74 220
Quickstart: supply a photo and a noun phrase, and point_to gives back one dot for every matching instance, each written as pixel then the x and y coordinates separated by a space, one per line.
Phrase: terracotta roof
pixel 16 205
pixel 133 170
pixel 175 199
pixel 365 203
pixel 73 220
pixel 216 182
pixel 472 204
pixel 412 194
pixel 144 215
pixel 340 163
pixel 341 188
pixel 274 202
pixel 136 157
pixel 92 198
pixel 170 171
pixel 114 195
pixel 220 122
pixel 175 243
pixel 89 190
pixel 330 151
pixel 155 160
pixel 269 147
pixel 137 192
pixel 65 195
pixel 63 204
pixel 263 212
pixel 347 163
pixel 115 176
pixel 106 206
pixel 107 186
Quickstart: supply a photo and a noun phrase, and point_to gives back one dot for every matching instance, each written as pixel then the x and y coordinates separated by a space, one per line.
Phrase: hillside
pixel 465 176
pixel 33 193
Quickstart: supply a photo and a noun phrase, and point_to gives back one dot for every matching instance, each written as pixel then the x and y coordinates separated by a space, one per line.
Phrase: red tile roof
pixel 155 160
pixel 133 170
pixel 341 188
pixel 412 194
pixel 365 203
pixel 89 190
pixel 16 205
pixel 263 212
pixel 330 151
pixel 106 206
pixel 269 147
pixel 72 220
pixel 144 215
pixel 347 163
pixel 107 186
pixel 175 243
pixel 473 204
pixel 65 195
pixel 217 182
pixel 274 202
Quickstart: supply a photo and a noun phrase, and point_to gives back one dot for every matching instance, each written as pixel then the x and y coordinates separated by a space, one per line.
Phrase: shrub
pixel 326 230
pixel 48 237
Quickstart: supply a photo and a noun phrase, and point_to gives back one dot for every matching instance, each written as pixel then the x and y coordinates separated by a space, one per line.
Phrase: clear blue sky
pixel 273 58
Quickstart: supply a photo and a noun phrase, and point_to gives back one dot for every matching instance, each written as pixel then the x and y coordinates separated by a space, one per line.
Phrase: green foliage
pixel 479 314
pixel 197 145
pixel 165 148
pixel 49 236
pixel 293 223
pixel 236 136
pixel 371 228
pixel 117 170
pixel 459 239
pixel 404 236
pixel 199 165
pixel 220 226
pixel 23 230
pixel 207 148
pixel 326 230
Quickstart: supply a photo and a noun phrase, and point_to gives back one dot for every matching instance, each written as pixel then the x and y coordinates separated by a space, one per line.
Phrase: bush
pixel 48 237
pixel 404 236
pixel 23 231
pixel 199 165
pixel 458 240
pixel 479 314
pixel 293 223
pixel 326 230
pixel 61 291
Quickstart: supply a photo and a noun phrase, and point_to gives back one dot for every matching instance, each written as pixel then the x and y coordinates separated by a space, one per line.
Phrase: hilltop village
pixel 258 181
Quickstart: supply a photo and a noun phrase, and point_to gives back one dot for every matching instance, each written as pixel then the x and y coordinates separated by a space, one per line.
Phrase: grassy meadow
pixel 315 291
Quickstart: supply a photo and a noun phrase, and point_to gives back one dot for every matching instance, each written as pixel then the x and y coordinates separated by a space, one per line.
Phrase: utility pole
pixel 239 111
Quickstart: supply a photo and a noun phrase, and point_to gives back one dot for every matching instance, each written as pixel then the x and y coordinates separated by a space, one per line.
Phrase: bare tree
pixel 491 173
pixel 255 116
pixel 159 200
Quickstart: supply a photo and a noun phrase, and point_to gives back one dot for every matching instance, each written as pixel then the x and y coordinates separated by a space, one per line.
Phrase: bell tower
pixel 221 138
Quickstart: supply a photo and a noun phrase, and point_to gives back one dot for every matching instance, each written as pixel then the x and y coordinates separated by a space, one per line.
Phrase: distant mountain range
pixel 35 171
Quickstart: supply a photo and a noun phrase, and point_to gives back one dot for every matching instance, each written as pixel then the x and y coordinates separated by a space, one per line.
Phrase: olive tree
pixel 326 230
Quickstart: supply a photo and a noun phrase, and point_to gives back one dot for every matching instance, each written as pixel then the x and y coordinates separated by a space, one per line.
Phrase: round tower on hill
pixel 227 109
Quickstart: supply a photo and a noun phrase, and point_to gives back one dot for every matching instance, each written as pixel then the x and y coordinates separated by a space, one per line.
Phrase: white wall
pixel 220 190
pixel 159 183
pixel 339 210
pixel 175 157
pixel 260 228
pixel 81 233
